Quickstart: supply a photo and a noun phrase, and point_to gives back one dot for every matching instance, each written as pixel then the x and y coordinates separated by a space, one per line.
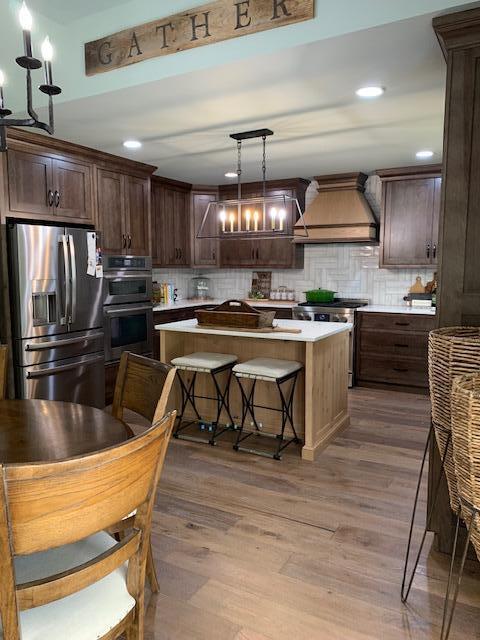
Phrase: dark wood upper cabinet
pixel 204 250
pixel 111 211
pixel 30 181
pixel 410 216
pixel 73 189
pixel 137 216
pixel 279 253
pixel 43 185
pixel 123 213
pixel 170 222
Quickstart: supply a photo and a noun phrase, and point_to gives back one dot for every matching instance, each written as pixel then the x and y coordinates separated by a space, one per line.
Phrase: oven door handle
pixel 127 309
pixel 64 367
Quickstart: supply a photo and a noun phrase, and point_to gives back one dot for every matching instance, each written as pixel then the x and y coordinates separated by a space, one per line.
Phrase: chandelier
pixel 263 216
pixel 29 63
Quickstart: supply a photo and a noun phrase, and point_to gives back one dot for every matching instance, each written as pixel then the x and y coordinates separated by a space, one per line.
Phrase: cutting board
pixel 277 329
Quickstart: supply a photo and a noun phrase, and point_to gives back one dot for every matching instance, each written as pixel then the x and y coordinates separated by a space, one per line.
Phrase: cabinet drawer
pixel 394 370
pixel 392 343
pixel 397 322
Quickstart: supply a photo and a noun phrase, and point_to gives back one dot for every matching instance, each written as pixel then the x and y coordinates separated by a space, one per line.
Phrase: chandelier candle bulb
pixel 47 55
pixel 26 21
pixel 223 219
pixel 248 216
pixel 273 215
pixel 232 222
pixel 255 221
pixel 281 217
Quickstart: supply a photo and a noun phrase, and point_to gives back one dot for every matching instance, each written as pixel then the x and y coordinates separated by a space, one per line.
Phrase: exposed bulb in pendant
pixel 273 216
pixel 281 217
pixel 248 217
pixel 223 219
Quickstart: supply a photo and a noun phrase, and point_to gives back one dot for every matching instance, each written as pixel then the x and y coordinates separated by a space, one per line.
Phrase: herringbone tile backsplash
pixel 349 269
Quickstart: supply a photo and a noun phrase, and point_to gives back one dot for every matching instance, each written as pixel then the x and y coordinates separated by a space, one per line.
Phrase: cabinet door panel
pixel 408 219
pixel 436 219
pixel 237 252
pixel 111 211
pixel 170 249
pixel 181 225
pixel 205 250
pixel 73 183
pixel 158 207
pixel 279 253
pixel 30 180
pixel 138 236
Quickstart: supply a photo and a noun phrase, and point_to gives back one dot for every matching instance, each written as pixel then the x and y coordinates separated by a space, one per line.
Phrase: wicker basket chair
pixel 452 351
pixel 465 412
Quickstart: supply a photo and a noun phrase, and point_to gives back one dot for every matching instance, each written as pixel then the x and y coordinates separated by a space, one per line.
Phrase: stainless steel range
pixel 340 310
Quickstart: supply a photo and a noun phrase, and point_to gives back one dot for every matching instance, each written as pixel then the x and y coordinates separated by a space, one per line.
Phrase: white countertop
pixel 415 311
pixel 311 331
pixel 185 304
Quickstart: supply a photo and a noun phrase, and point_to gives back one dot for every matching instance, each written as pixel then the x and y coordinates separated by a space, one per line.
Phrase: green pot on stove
pixel 320 295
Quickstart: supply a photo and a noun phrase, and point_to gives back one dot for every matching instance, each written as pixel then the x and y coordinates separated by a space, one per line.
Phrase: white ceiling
pixel 66 11
pixel 305 94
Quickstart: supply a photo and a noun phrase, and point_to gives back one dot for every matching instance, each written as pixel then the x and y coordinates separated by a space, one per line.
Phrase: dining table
pixel 49 430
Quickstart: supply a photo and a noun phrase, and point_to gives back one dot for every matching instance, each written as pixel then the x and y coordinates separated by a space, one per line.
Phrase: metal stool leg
pixel 223 402
pixel 287 415
pixel 405 590
pixel 247 407
pixel 449 608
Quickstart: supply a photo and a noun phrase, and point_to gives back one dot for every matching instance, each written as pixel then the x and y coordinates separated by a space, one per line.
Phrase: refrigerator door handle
pixel 53 344
pixel 73 267
pixel 66 319
pixel 63 367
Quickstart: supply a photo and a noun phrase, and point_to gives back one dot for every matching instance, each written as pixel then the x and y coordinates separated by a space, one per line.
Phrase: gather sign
pixel 206 24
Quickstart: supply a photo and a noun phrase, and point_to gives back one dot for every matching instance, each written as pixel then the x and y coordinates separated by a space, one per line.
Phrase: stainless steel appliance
pixel 57 314
pixel 340 310
pixel 127 279
pixel 127 311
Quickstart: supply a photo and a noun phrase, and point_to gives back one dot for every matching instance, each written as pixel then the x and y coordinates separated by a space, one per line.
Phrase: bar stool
pixel 267 370
pixel 213 364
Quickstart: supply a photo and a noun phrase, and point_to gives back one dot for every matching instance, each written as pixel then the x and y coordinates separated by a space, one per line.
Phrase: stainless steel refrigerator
pixel 57 314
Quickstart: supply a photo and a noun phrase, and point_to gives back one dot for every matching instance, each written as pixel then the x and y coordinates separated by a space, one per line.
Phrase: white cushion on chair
pixel 85 615
pixel 266 368
pixel 203 362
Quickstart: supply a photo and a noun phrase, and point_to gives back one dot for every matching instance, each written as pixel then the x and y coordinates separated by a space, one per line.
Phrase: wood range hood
pixel 340 211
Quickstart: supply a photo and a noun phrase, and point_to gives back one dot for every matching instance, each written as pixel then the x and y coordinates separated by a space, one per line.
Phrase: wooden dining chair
pixel 3 370
pixel 143 386
pixel 62 574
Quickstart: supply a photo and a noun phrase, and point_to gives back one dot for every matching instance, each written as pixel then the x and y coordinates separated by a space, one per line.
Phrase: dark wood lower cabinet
pixel 392 350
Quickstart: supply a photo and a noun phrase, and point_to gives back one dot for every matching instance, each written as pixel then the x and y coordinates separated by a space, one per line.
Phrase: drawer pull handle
pixel 402 324
pixel 400 369
pixel 404 346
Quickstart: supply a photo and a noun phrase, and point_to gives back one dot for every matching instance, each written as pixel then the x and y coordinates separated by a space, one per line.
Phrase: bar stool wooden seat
pixel 274 371
pixel 214 365
pixel 465 409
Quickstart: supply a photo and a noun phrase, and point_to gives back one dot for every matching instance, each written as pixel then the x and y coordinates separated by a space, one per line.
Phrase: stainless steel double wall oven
pixel 127 310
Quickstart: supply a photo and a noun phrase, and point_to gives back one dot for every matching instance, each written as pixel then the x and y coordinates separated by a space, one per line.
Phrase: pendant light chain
pixel 239 168
pixel 264 164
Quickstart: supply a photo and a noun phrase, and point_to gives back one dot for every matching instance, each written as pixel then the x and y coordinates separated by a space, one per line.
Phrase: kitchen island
pixel 320 401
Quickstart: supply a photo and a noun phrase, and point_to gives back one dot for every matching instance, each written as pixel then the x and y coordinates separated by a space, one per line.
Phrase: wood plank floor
pixel 248 548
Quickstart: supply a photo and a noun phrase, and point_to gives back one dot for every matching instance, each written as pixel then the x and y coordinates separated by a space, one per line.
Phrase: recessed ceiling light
pixel 231 174
pixel 422 155
pixel 370 92
pixel 132 144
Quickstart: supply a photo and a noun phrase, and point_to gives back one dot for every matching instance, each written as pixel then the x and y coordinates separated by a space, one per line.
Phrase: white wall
pixel 349 269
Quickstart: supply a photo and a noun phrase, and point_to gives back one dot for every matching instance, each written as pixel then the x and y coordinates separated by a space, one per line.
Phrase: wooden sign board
pixel 207 24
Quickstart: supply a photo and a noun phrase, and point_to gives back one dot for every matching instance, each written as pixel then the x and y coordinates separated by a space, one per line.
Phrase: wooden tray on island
pixel 235 314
